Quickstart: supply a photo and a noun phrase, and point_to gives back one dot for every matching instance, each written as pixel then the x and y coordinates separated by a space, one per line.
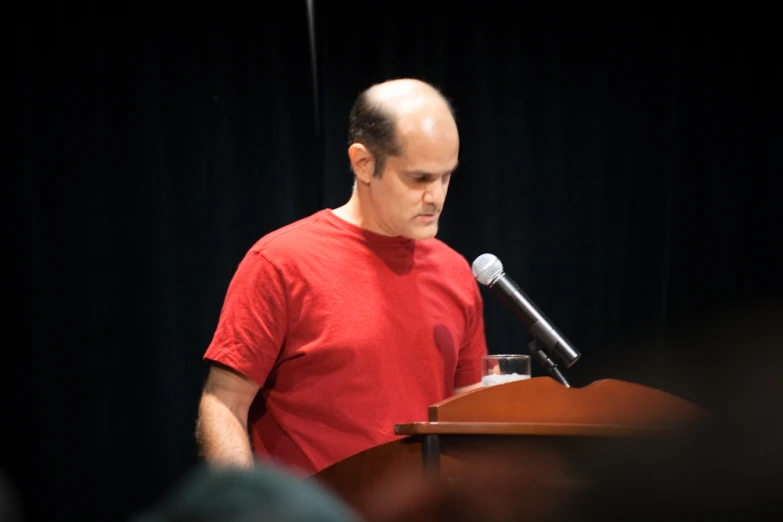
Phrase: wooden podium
pixel 515 422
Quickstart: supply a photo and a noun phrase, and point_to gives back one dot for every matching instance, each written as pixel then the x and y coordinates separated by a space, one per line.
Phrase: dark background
pixel 624 165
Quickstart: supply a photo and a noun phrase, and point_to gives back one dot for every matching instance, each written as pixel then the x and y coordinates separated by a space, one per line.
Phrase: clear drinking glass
pixel 502 368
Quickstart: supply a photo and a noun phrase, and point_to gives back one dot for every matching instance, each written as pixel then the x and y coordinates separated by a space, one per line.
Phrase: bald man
pixel 341 325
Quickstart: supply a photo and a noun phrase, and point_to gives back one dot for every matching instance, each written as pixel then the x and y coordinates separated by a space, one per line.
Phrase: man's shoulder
pixel 446 256
pixel 446 263
pixel 291 238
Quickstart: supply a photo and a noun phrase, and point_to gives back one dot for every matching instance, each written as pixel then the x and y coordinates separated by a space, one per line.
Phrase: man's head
pixel 403 147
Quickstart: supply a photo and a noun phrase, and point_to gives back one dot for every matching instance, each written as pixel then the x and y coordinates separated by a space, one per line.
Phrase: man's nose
pixel 435 194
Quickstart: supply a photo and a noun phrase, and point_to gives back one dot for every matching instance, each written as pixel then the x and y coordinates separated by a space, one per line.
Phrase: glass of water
pixel 503 368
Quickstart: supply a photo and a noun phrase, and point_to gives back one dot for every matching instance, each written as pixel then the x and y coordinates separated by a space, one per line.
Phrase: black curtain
pixel 624 166
pixel 621 164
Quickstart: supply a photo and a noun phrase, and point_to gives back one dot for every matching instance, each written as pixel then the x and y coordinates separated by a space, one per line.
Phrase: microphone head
pixel 487 268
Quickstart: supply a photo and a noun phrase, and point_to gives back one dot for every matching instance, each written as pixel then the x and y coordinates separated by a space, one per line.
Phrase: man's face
pixel 408 198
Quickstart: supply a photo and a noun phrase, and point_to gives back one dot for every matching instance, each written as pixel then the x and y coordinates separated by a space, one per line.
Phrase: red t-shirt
pixel 348 333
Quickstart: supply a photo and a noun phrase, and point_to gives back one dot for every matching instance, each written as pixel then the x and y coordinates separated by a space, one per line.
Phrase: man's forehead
pixel 430 162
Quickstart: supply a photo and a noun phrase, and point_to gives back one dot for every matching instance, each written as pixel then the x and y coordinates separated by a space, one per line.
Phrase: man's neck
pixel 354 213
pixel 351 211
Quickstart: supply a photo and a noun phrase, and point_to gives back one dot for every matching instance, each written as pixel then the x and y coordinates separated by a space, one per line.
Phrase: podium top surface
pixel 545 402
pixel 523 428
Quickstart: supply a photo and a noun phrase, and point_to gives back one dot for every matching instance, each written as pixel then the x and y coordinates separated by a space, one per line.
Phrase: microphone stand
pixel 537 349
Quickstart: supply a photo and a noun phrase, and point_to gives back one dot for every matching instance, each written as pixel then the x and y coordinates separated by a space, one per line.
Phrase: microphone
pixel 488 270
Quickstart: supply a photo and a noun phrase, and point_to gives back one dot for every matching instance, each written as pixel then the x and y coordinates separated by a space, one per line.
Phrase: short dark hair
pixel 374 126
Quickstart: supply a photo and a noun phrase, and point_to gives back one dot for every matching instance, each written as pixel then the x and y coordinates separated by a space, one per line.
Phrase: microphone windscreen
pixel 487 268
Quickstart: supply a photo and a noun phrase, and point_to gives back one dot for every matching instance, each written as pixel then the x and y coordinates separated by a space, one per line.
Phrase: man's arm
pixel 221 428
pixel 468 373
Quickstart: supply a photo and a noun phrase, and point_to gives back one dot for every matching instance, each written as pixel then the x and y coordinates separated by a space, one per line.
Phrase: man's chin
pixel 426 232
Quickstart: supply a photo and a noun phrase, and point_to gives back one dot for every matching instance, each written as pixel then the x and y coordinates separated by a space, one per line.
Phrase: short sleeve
pixel 474 346
pixel 253 321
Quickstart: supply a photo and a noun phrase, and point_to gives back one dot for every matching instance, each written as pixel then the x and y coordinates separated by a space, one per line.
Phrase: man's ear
pixel 362 162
